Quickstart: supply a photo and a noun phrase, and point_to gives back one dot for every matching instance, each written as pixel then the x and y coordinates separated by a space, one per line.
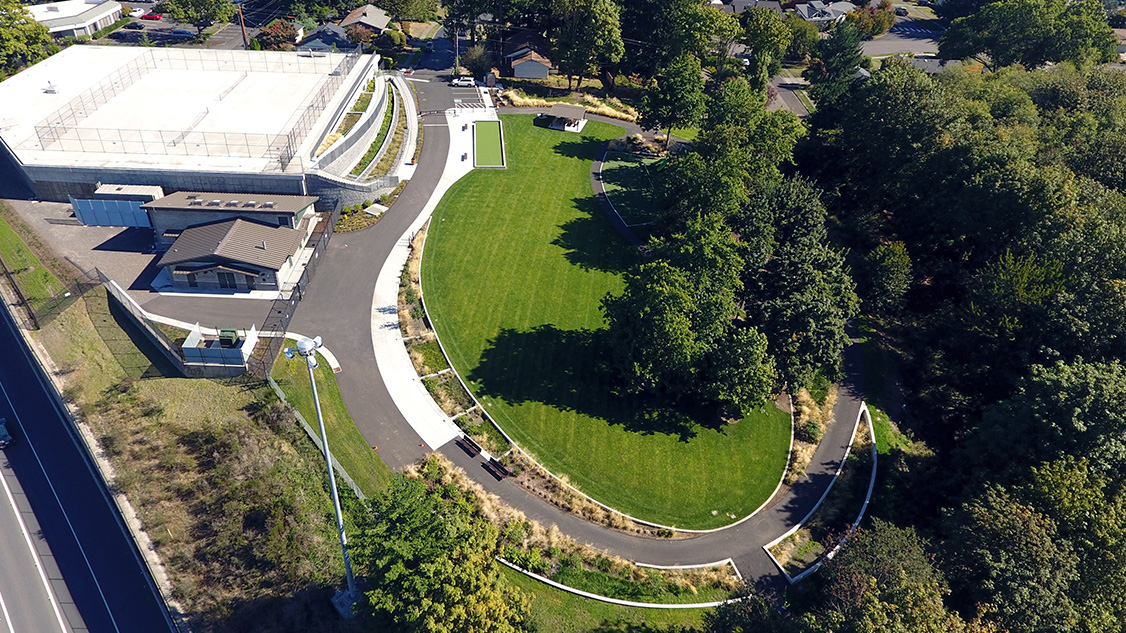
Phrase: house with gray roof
pixel 326 38
pixel 233 254
pixel 368 16
pixel 824 13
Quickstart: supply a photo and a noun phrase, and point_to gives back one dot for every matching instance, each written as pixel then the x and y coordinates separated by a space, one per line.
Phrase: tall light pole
pixel 343 600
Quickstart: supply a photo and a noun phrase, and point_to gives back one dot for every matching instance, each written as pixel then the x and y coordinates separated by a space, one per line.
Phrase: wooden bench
pixel 469 446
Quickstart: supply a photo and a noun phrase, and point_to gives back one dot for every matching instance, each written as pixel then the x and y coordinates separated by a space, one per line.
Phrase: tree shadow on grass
pixel 569 370
pixel 585 148
pixel 591 243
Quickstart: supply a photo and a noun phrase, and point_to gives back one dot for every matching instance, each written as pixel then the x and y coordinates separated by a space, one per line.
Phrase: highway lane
pixel 109 587
pixel 26 602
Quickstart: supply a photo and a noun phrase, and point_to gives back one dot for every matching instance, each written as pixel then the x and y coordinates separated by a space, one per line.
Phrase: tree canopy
pixel 1031 33
pixel 430 564
pixel 23 41
pixel 200 13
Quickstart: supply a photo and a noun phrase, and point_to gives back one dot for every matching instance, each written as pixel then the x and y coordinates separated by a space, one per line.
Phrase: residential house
pixel 326 38
pixel 824 13
pixel 1121 35
pixel 74 18
pixel 369 17
pixel 171 215
pixel 233 254
pixel 526 55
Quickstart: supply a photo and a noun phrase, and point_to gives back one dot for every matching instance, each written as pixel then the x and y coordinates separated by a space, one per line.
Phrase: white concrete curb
pixel 624 603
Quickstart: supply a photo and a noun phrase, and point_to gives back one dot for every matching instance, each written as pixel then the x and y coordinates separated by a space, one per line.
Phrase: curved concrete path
pixel 339 307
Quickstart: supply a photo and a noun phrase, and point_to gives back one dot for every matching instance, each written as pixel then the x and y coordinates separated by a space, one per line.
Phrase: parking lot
pixel 161 32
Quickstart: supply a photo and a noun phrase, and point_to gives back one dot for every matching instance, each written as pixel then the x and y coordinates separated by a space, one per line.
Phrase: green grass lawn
pixel 556 611
pixel 488 149
pixel 364 466
pixel 628 180
pixel 36 283
pixel 515 266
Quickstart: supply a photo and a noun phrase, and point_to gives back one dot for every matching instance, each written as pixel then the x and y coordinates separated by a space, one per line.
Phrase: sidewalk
pixel 391 357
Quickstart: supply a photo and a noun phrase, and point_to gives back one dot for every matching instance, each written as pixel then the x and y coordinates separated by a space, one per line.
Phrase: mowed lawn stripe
pixel 515 266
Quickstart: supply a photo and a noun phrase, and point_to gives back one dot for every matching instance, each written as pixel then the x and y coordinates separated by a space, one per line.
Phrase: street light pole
pixel 343 600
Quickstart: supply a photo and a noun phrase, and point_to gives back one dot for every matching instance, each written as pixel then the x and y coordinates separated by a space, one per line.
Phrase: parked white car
pixel 463 82
pixel 136 13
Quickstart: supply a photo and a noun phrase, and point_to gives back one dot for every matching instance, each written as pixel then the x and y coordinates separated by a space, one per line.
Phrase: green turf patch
pixel 488 144
pixel 345 442
pixel 36 283
pixel 513 272
pixel 556 611
pixel 629 183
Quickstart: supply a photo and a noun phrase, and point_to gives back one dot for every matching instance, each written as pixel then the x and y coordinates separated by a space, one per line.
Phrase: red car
pixel 151 16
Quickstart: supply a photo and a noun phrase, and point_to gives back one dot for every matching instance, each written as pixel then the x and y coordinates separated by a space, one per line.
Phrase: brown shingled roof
pixel 236 241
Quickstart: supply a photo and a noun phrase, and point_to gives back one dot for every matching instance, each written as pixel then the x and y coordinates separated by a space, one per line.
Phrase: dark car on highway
pixel 5 436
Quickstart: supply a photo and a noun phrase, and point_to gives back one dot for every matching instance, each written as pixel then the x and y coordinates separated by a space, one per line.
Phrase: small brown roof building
pixel 233 254
pixel 526 55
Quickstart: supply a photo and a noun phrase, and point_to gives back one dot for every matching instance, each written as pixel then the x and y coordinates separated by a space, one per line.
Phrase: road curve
pixel 338 307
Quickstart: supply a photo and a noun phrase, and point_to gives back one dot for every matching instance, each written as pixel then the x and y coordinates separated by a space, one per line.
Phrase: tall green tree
pixel 23 41
pixel 801 294
pixel 675 325
pixel 803 36
pixel 1009 555
pixel 200 13
pixel 767 37
pixel 676 99
pixel 586 32
pixel 832 71
pixel 1031 33
pixel 886 278
pixel 430 564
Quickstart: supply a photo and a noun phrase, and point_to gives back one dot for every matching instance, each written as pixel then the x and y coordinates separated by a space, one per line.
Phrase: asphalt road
pixel 907 36
pixel 337 306
pixel 109 586
pixel 26 602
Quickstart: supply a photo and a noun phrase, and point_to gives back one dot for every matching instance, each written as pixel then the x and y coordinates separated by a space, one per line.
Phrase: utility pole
pixel 242 22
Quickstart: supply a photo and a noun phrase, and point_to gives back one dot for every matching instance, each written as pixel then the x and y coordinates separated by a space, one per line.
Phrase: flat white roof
pixel 166 108
pixel 64 9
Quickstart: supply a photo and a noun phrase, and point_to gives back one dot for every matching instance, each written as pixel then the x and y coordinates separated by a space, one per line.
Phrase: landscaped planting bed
pixel 388 117
pixel 516 265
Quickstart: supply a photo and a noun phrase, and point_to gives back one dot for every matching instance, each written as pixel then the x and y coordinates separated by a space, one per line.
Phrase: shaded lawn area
pixel 36 283
pixel 556 611
pixel 364 466
pixel 487 146
pixel 628 180
pixel 515 266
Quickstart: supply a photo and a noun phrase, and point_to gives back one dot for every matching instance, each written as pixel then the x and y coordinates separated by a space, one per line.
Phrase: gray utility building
pixel 233 254
pixel 171 215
